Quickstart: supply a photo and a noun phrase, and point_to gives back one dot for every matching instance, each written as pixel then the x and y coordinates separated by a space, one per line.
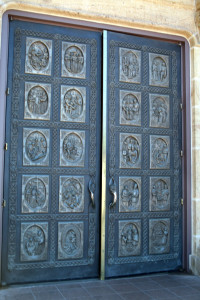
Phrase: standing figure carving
pixel 36 146
pixel 74 59
pixel 130 150
pixel 37 100
pixel 159 69
pixel 130 107
pixel 130 65
pixel 73 104
pixel 130 193
pixel 38 56
pixel 160 111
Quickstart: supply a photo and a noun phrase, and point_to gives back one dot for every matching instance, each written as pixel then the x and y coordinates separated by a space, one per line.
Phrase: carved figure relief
pixel 159 194
pixel 38 56
pixel 73 60
pixel 130 108
pixel 130 151
pixel 159 236
pixel 36 146
pixel 73 102
pixel 70 240
pixel 159 110
pixel 71 194
pixel 35 193
pixel 160 155
pixel 159 70
pixel 37 101
pixel 130 65
pixel 72 148
pixel 34 241
pixel 129 194
pixel 129 238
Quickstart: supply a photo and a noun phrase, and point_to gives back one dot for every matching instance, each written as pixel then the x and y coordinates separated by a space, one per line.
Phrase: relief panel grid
pixel 130 108
pixel 34 241
pixel 36 146
pixel 38 56
pixel 73 60
pixel 72 148
pixel 130 65
pixel 130 150
pixel 35 194
pixel 71 194
pixel 129 194
pixel 70 240
pixel 37 104
pixel 159 110
pixel 73 104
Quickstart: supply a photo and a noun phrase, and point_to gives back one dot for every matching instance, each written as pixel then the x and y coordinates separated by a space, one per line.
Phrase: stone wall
pixel 178 17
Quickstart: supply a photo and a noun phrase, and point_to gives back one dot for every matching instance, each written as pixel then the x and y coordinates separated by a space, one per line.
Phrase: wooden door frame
pixel 185 81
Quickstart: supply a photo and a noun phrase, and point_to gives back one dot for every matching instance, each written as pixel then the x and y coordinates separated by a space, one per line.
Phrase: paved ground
pixel 171 286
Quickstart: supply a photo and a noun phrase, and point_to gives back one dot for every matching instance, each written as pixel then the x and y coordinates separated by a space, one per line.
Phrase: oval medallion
pixel 72 147
pixel 36 146
pixel 130 150
pixel 38 55
pixel 35 193
pixel 34 241
pixel 130 107
pixel 73 104
pixel 37 100
pixel 74 59
pixel 71 193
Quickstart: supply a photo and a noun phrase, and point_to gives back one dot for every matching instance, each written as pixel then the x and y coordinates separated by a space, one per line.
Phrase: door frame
pixel 186 112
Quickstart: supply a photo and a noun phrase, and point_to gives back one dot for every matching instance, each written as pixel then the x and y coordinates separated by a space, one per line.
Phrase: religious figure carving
pixel 130 150
pixel 71 245
pixel 159 110
pixel 72 147
pixel 160 152
pixel 159 237
pixel 129 237
pixel 35 193
pixel 160 194
pixel 34 241
pixel 130 65
pixel 71 193
pixel 159 69
pixel 73 104
pixel 38 56
pixel 37 100
pixel 130 193
pixel 36 146
pixel 74 59
pixel 130 107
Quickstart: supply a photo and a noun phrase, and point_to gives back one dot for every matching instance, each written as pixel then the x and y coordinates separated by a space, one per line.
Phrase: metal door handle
pixel 113 190
pixel 92 188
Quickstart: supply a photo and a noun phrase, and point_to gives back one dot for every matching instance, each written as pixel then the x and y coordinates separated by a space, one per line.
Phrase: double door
pixel 64 217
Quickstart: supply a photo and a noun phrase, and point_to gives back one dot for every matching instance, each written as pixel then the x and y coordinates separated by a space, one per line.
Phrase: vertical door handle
pixel 113 190
pixel 92 188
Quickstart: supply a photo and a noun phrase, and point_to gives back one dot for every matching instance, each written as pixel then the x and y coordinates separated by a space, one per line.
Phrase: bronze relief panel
pixel 159 236
pixel 72 148
pixel 129 65
pixel 159 152
pixel 73 60
pixel 35 193
pixel 34 241
pixel 73 104
pixel 159 194
pixel 130 108
pixel 71 194
pixel 70 240
pixel 37 103
pixel 129 194
pixel 129 238
pixel 38 56
pixel 159 110
pixel 158 70
pixel 36 146
pixel 130 150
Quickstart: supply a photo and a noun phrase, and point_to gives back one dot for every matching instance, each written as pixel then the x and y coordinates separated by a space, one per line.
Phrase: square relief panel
pixel 159 152
pixel 34 241
pixel 159 194
pixel 159 110
pixel 158 70
pixel 129 194
pixel 36 147
pixel 73 104
pixel 129 65
pixel 129 238
pixel 38 56
pixel 37 104
pixel 71 194
pixel 159 236
pixel 130 150
pixel 130 108
pixel 70 240
pixel 72 148
pixel 73 60
pixel 35 193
